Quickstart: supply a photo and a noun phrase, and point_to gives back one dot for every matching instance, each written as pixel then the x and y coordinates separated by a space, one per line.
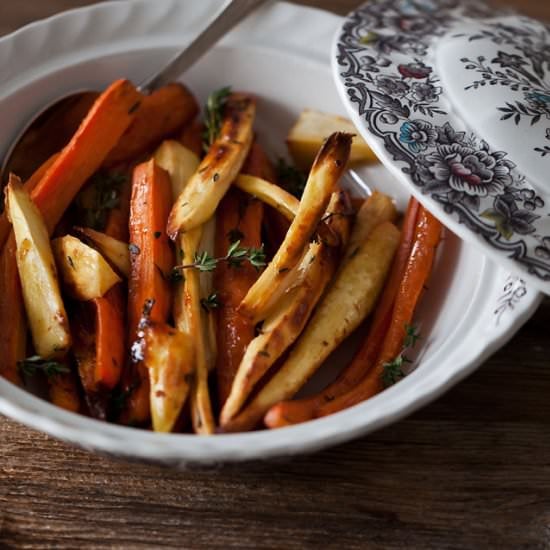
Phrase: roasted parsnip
pixel 271 194
pixel 279 331
pixel 181 164
pixel 223 162
pixel 114 251
pixel 84 272
pixel 276 197
pixel 35 262
pixel 322 181
pixel 168 354
pixel 191 320
pixel 377 209
pixel 310 131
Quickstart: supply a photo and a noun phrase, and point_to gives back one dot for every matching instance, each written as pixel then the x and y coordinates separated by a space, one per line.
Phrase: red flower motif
pixel 415 70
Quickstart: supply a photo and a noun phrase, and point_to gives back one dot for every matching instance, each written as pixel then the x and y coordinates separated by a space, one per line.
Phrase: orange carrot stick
pixel 110 309
pixel 239 218
pixel 300 410
pixel 417 271
pixel 12 314
pixel 52 132
pixel 99 347
pixel 110 337
pixel 117 220
pixel 63 391
pixel 152 259
pixel 191 137
pixel 100 131
pixel 161 114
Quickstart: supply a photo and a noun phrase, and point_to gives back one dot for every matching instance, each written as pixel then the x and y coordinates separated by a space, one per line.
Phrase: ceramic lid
pixel 454 97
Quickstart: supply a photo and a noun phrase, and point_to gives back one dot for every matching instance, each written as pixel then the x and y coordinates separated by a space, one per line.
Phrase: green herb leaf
pixel 291 178
pixel 257 257
pixel 204 262
pixel 213 115
pixel 211 302
pixel 101 195
pixel 393 371
pixel 411 336
pixel 235 257
pixel 31 365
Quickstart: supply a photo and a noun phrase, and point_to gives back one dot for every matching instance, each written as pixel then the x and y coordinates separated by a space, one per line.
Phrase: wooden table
pixel 470 471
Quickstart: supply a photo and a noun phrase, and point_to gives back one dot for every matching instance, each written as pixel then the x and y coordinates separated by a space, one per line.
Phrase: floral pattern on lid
pixel 387 72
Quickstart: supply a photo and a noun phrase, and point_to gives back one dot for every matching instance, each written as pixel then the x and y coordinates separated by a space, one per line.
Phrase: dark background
pixel 471 470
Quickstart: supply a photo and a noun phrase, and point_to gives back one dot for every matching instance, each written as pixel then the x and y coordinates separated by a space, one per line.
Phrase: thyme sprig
pixel 393 370
pixel 213 115
pixel 101 195
pixel 34 364
pixel 235 257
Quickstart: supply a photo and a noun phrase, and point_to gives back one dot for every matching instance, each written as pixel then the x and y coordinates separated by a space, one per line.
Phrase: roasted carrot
pixel 417 271
pixel 161 114
pixel 300 410
pixel 84 353
pixel 110 309
pixel 258 164
pixel 152 259
pixel 239 218
pixel 63 391
pixel 110 337
pixel 100 131
pixel 117 220
pixel 51 132
pixel 12 314
pixel 191 137
pixel 99 347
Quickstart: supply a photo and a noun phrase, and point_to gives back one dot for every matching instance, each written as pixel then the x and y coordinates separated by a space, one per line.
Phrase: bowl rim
pixel 185 450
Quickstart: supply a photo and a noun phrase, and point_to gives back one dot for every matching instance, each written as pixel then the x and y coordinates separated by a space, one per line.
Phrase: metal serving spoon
pixel 17 155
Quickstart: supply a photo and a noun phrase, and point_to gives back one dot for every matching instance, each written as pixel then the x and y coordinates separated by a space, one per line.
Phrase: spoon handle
pixel 234 12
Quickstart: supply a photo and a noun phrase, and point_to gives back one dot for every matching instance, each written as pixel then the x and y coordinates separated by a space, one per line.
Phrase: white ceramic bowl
pixel 282 55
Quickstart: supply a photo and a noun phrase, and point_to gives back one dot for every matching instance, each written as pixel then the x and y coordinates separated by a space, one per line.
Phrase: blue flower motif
pixel 541 98
pixel 418 135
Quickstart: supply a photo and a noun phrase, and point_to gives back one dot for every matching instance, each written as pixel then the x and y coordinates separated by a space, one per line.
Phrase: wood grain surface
pixel 471 470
